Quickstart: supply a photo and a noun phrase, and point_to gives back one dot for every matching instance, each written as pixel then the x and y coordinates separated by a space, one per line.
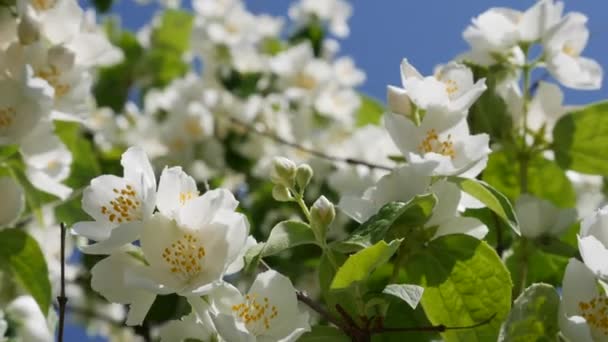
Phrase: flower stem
pixel 62 299
pixel 299 199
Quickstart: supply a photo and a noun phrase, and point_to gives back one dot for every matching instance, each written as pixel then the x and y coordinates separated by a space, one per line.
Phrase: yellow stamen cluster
pixel 125 207
pixel 305 81
pixel 432 143
pixel 595 313
pixel 52 75
pixel 451 87
pixel 184 256
pixel 257 315
pixel 570 50
pixel 42 5
pixel 186 196
pixel 193 127
pixel 7 116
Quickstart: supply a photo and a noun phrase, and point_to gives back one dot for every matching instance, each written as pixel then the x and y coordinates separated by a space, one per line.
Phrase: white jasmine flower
pixel 589 195
pixel 109 278
pixel 12 201
pixel 24 102
pixel 56 65
pixel 118 204
pixel 456 151
pixel 494 34
pixel 537 217
pixel 346 73
pixel 451 91
pixel 582 311
pixel 369 143
pixel 593 242
pixel 47 161
pixel 268 312
pixel 338 104
pixel 405 182
pixel 333 12
pixel 564 45
pixel 190 254
pixel 30 322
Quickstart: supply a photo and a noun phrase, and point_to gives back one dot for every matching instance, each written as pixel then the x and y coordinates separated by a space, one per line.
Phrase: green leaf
pixel 21 254
pixel 313 33
pixel 541 267
pixel 285 235
pixel 84 163
pixel 410 294
pixel 174 31
pixel 322 333
pixel 370 112
pixel 580 140
pixel 465 283
pixel 414 213
pixel 553 245
pixel 546 179
pixel 489 196
pixel 8 151
pixel 114 82
pixel 489 114
pixel 533 317
pixel 360 265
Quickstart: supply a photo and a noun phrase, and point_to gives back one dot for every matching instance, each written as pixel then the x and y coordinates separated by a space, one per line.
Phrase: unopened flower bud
pixel 322 213
pixel 304 174
pixel 281 193
pixel 28 30
pixel 283 171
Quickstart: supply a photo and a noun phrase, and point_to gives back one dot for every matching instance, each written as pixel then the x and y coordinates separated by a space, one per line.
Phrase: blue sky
pixel 427 32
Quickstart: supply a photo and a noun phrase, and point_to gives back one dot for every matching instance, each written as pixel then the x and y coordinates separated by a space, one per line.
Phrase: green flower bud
pixel 281 193
pixel 322 214
pixel 304 174
pixel 283 172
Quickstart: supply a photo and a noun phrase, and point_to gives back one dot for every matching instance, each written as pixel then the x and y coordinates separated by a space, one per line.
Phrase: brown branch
pixel 432 328
pixel 319 154
pixel 62 299
pixel 321 311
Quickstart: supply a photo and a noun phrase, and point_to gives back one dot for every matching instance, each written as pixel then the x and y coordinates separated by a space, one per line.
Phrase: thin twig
pixel 319 154
pixel 321 311
pixel 432 328
pixel 62 299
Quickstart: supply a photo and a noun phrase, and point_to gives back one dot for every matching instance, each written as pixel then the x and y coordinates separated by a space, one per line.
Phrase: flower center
pixel 42 5
pixel 451 87
pixel 52 76
pixel 570 50
pixel 184 256
pixel 305 81
pixel 432 143
pixel 257 315
pixel 193 127
pixel 7 117
pixel 124 207
pixel 595 312
pixel 186 196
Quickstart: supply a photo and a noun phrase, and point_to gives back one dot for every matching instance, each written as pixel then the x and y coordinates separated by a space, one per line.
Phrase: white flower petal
pixel 595 255
pixel 579 285
pixel 119 236
pixel 12 201
pixel 175 188
pixel 92 230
